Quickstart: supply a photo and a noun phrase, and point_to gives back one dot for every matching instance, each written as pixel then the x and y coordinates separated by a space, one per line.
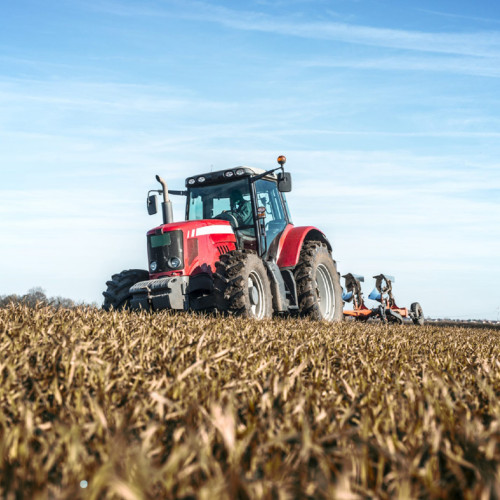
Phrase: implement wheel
pixel 117 296
pixel 393 316
pixel 417 314
pixel 318 283
pixel 242 286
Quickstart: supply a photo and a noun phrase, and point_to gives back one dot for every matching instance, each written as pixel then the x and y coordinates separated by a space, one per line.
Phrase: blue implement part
pixel 346 296
pixel 375 295
pixel 387 277
pixel 356 276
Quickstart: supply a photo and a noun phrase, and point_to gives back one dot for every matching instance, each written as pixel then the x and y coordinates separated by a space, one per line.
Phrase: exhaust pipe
pixel 166 204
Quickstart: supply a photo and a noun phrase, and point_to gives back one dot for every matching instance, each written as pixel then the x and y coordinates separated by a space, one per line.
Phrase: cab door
pixel 276 219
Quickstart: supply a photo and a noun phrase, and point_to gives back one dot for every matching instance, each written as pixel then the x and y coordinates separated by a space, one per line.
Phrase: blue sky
pixel 388 113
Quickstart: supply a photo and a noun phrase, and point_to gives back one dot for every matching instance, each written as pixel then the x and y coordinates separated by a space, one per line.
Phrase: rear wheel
pixel 417 314
pixel 318 283
pixel 242 286
pixel 117 295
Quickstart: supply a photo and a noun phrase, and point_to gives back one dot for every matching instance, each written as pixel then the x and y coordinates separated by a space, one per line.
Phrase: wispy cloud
pixel 480 66
pixel 451 15
pixel 483 44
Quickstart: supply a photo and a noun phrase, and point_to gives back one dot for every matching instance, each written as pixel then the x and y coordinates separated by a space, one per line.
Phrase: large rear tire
pixel 117 295
pixel 318 283
pixel 242 285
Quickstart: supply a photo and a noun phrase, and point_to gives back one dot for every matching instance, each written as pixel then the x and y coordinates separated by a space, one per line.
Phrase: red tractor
pixel 237 252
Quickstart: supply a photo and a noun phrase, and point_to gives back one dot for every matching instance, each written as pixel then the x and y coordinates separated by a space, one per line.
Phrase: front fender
pixel 292 241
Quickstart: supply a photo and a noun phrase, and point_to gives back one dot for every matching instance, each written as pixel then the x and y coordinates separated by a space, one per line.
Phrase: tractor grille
pixel 222 249
pixel 165 246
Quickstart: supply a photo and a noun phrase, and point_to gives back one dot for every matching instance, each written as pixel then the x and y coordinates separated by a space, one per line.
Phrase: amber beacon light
pixel 281 160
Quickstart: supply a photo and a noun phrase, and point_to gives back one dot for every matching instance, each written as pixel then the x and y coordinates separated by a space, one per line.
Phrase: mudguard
pixel 291 243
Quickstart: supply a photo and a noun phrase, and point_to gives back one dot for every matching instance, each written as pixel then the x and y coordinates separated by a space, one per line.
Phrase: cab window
pixel 206 202
pixel 230 201
pixel 269 197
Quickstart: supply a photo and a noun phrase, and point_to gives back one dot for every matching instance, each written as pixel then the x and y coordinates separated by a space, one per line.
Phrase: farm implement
pixel 388 311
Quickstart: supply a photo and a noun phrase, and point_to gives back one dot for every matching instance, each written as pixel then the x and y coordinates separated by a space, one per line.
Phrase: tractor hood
pixel 189 247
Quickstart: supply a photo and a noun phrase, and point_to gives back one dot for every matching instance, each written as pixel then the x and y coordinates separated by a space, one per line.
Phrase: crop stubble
pixel 183 406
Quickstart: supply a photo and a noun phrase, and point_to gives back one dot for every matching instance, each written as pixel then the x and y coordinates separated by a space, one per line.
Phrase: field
pixel 182 406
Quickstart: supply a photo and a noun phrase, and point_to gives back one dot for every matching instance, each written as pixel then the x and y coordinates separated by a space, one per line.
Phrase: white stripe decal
pixel 202 231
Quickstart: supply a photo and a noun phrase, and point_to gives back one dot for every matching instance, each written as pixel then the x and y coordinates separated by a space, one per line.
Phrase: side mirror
pixel 284 182
pixel 152 204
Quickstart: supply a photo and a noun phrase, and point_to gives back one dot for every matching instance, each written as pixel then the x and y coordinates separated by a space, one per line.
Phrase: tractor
pixel 236 252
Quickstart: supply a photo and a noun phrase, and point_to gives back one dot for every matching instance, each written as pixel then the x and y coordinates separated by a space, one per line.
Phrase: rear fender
pixel 291 243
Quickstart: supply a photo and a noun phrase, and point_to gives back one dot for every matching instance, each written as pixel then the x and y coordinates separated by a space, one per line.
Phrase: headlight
pixel 174 262
pixel 201 179
pixel 153 266
pixel 229 173
pixel 191 181
pixel 240 171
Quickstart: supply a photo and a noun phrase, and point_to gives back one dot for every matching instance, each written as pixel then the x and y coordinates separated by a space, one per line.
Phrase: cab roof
pixel 228 175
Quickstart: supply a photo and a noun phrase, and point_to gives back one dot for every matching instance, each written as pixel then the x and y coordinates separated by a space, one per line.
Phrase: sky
pixel 388 114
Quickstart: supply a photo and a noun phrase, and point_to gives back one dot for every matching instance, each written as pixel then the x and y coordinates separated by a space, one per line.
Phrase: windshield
pixel 208 202
pixel 231 202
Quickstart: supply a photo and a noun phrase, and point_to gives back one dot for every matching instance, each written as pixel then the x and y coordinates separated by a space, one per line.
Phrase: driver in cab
pixel 241 208
pixel 240 212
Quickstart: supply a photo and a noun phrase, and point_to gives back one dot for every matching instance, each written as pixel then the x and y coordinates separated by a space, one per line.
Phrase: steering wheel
pixel 231 217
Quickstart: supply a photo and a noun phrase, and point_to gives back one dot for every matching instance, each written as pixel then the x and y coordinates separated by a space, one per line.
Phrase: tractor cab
pixel 250 199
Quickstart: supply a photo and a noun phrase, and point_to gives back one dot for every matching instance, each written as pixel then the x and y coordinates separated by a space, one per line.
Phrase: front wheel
pixel 117 295
pixel 242 286
pixel 318 283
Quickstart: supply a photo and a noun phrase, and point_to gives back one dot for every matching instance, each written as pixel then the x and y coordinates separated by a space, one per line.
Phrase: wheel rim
pixel 325 291
pixel 256 295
